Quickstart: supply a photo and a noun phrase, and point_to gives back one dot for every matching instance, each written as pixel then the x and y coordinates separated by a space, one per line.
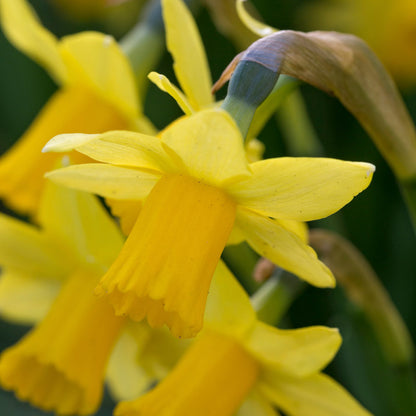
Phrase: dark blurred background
pixel 376 221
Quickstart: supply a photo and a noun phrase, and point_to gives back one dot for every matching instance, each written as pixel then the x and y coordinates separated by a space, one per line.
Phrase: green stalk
pixel 408 187
pixel 144 44
pixel 273 299
pixel 249 86
pixel 299 133
pixel 241 260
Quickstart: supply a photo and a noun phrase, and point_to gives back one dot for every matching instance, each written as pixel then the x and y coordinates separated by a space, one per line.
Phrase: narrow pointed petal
pixel 284 248
pixel 255 405
pixel 301 189
pixel 297 352
pixel 124 148
pixel 126 377
pixel 95 60
pixel 106 180
pixel 22 27
pixel 253 24
pixel 165 85
pixel 23 247
pixel 185 45
pixel 66 215
pixel 317 395
pixel 297 227
pixel 228 307
pixel 220 157
pixel 25 299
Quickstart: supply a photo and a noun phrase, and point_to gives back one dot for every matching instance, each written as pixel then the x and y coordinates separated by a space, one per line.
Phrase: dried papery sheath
pixel 344 66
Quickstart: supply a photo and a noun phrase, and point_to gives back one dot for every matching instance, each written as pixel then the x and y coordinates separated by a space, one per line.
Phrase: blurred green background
pixel 376 221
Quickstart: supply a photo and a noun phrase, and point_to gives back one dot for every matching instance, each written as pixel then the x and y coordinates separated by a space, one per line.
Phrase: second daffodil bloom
pixel 98 93
pixel 240 366
pixel 48 275
pixel 197 187
pixel 48 278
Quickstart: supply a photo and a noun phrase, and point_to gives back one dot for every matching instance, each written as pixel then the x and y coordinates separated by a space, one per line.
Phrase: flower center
pixel 165 267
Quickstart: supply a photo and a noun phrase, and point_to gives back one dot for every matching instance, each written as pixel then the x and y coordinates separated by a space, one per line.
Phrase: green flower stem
pixel 282 89
pixel 144 46
pixel 249 86
pixel 272 300
pixel 241 260
pixel 300 135
pixel 408 188
pixel 145 43
pixel 362 286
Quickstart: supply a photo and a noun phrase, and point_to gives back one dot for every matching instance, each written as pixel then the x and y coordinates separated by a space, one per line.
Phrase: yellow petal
pixel 67 216
pixel 236 236
pixel 22 27
pixel 161 352
pixel 254 150
pixel 126 211
pixel 185 45
pixel 95 60
pixel 25 299
pixel 253 24
pixel 126 378
pixel 106 180
pixel 284 248
pixel 23 247
pixel 317 395
pixel 209 145
pixel 165 85
pixel 228 306
pixel 255 405
pixel 298 228
pixel 125 148
pixel 301 189
pixel 297 352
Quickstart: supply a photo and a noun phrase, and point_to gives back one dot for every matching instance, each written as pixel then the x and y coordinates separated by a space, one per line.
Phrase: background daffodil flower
pixel 197 186
pixel 97 93
pixel 240 366
pixel 48 278
pixel 388 29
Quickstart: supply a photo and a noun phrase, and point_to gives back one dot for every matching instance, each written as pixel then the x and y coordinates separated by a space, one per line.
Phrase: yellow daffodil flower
pixel 48 276
pixel 197 186
pixel 97 93
pixel 240 366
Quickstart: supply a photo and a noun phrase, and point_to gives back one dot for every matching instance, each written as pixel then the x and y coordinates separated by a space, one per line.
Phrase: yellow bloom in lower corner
pixel 60 365
pixel 97 93
pixel 48 275
pixel 240 366
pixel 198 190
